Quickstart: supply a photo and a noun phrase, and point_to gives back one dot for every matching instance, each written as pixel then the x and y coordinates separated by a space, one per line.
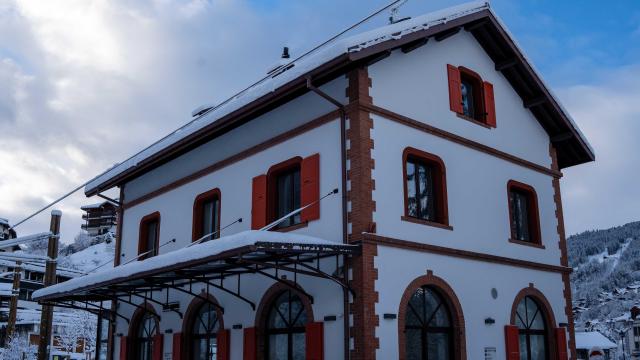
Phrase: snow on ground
pixel 90 258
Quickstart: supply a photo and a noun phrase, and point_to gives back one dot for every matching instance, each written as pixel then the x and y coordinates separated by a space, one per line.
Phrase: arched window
pixel 204 328
pixel 532 330
pixel 144 336
pixel 428 328
pixel 285 328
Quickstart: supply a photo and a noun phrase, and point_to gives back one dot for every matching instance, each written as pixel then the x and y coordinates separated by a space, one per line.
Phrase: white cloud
pixel 605 193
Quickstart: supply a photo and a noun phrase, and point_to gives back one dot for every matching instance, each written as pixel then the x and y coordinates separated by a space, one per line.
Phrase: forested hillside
pixel 606 274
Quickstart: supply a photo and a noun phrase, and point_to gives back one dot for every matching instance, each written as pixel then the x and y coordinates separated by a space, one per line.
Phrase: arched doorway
pixel 144 333
pixel 285 328
pixel 532 330
pixel 201 327
pixel 430 322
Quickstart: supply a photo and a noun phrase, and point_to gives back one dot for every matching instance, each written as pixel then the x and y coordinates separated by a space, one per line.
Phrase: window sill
pixel 477 122
pixel 293 227
pixel 426 222
pixel 527 243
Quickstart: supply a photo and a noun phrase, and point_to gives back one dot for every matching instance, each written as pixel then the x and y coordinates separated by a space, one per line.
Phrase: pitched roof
pixel 335 58
pixel 591 339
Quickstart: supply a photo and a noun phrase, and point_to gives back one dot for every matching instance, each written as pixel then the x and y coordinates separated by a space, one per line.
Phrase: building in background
pixel 588 342
pixel 99 218
pixel 6 233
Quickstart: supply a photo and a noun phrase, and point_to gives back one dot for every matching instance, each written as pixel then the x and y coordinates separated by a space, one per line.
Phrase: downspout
pixel 345 260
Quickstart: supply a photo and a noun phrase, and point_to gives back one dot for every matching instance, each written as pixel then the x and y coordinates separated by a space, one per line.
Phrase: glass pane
pixel 521 315
pixel 411 317
pixel 207 218
pixel 298 346
pixel 215 216
pixel 296 196
pixel 152 235
pixel 523 347
pixel 412 206
pixel 288 196
pixel 276 321
pixel 432 302
pixel 413 346
pixel 278 345
pixel 213 349
pixel 441 317
pixel 467 98
pixel 427 201
pixel 538 350
pixel 532 310
pixel 418 305
pixel 438 346
pixel 200 349
pixel 520 215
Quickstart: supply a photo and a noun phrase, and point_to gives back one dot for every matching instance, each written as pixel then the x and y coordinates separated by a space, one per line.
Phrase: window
pixel 523 212
pixel 284 192
pixel 149 236
pixel 470 97
pixel 285 328
pixel 203 333
pixel 428 329
pixel 532 330
pixel 144 336
pixel 425 187
pixel 206 215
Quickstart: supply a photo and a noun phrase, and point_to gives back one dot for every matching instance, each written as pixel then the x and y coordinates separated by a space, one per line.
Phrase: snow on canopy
pixel 181 256
pixel 287 74
pixel 591 339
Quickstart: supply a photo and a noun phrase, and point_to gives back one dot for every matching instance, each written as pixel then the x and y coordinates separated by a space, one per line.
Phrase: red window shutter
pixel 489 104
pixel 224 345
pixel 455 90
pixel 177 346
pixel 259 202
pixel 249 344
pixel 314 336
pixel 123 347
pixel 310 188
pixel 561 340
pixel 158 347
pixel 512 342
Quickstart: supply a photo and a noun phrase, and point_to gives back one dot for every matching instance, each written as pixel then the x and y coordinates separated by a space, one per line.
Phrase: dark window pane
pixel 207 217
pixel 438 346
pixel 412 206
pixel 413 347
pixel 285 328
pixel 467 99
pixel 278 347
pixel 152 235
pixel 288 196
pixel 520 215
pixel 421 196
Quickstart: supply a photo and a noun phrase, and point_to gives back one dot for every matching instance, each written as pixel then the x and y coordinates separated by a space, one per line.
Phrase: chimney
pixel 285 53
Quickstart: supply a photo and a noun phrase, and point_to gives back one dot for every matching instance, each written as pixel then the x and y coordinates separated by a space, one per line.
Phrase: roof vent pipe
pixel 285 53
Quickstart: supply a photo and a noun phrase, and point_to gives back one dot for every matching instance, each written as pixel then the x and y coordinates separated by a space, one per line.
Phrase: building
pixel 6 233
pixel 99 218
pixel 446 233
pixel 592 343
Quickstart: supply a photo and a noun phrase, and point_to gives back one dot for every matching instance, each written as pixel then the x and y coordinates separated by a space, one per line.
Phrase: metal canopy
pixel 221 272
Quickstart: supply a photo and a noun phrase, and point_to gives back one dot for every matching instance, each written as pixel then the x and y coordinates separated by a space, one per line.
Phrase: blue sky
pixel 86 83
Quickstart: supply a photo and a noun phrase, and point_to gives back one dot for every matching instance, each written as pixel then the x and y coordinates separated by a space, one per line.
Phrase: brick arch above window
pixel 262 312
pixel 190 317
pixel 448 295
pixel 198 213
pixel 549 317
pixel 440 211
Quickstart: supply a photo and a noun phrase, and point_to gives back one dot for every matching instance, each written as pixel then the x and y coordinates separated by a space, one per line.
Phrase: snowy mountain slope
pixel 606 275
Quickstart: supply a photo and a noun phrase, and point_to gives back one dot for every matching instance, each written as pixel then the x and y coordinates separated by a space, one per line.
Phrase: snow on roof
pixel 591 339
pixel 6 288
pixel 4 221
pixel 180 256
pixel 302 66
pixel 96 205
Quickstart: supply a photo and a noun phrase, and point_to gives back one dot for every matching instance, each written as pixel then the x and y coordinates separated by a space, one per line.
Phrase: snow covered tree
pixel 18 348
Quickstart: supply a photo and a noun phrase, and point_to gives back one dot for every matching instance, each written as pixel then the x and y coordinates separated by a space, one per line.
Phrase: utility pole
pixel 46 319
pixel 13 306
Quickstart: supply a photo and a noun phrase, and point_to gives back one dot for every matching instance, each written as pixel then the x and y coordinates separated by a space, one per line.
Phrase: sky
pixel 86 83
